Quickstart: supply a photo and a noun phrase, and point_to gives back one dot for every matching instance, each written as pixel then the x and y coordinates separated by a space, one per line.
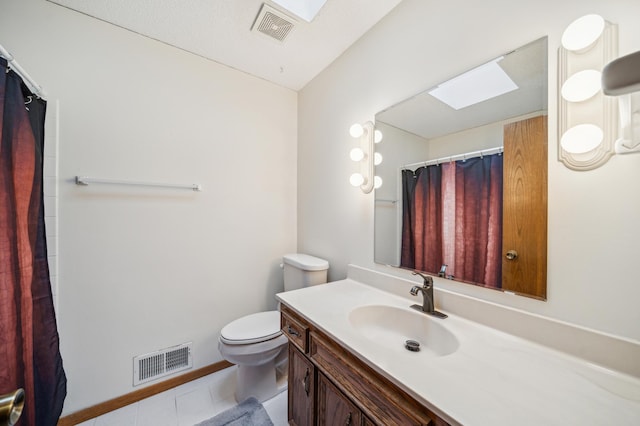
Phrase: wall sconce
pixel 365 155
pixel 587 119
pixel 621 78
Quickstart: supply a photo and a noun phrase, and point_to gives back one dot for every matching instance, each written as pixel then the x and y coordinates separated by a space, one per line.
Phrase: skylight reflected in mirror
pixel 481 83
pixel 428 117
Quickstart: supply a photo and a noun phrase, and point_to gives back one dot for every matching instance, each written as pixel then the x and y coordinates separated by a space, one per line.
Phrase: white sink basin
pixel 391 327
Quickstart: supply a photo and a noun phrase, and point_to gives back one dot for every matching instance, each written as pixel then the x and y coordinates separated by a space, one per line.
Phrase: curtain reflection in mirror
pixel 452 215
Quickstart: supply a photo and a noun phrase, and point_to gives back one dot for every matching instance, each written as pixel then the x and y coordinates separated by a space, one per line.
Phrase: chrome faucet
pixel 427 296
pixel 443 271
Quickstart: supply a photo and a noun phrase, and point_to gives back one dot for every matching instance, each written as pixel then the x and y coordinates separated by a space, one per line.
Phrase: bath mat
pixel 247 413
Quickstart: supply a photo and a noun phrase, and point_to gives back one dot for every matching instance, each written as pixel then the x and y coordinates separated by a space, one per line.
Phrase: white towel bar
pixel 84 180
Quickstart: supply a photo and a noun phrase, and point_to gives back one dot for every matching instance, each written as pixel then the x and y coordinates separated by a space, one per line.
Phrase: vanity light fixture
pixel 582 85
pixel 587 119
pixel 365 155
pixel 621 78
pixel 583 33
pixel 582 138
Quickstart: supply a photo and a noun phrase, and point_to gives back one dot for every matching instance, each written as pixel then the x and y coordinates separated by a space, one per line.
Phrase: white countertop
pixel 493 378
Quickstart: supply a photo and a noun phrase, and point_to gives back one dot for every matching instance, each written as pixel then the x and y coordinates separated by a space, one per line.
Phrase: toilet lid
pixel 253 328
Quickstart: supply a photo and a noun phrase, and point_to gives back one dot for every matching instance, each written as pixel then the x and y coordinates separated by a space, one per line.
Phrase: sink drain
pixel 412 345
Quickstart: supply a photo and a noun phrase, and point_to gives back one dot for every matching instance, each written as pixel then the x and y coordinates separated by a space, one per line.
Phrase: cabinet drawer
pixel 295 329
pixel 380 400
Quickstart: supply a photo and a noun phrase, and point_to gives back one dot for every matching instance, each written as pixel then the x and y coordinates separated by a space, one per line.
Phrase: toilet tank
pixel 302 270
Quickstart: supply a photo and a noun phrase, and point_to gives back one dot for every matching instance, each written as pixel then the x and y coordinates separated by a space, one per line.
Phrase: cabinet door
pixel 334 409
pixel 301 388
pixel 367 422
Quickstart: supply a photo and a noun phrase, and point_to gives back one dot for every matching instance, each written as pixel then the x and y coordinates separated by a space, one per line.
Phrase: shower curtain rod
pixel 473 154
pixel 14 65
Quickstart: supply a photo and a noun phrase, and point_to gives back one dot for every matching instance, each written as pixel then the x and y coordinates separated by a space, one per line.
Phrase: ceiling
pixel 220 30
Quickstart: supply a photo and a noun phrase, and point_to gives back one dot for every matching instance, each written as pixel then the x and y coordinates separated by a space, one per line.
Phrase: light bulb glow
pixel 583 33
pixel 356 130
pixel 356 154
pixel 356 179
pixel 377 182
pixel 377 158
pixel 582 85
pixel 377 136
pixel 581 138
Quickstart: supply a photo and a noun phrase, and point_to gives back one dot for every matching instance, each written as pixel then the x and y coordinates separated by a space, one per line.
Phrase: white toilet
pixel 255 342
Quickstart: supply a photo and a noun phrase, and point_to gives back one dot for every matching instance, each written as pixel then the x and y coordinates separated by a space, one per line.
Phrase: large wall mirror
pixel 465 176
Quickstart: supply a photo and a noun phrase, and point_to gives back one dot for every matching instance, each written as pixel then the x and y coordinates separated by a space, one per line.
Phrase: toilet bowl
pixel 255 342
pixel 257 346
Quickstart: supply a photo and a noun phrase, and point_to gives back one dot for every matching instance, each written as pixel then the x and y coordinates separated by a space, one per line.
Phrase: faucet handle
pixel 428 281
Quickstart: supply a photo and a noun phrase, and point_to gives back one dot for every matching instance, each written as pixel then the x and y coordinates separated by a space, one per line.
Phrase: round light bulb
pixel 581 138
pixel 377 136
pixel 356 179
pixel 583 32
pixel 377 182
pixel 356 130
pixel 582 86
pixel 356 154
pixel 377 158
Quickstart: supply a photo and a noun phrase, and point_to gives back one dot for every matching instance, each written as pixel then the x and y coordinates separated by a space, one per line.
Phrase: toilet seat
pixel 252 328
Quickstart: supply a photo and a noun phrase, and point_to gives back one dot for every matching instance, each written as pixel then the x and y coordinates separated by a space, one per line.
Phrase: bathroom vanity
pixel 329 383
pixel 348 365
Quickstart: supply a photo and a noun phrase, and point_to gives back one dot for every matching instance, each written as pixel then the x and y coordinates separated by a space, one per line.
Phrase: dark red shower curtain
pixel 428 216
pixel 478 239
pixel 452 214
pixel 29 346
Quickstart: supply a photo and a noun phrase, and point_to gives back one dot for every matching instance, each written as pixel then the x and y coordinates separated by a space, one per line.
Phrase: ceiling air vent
pixel 272 23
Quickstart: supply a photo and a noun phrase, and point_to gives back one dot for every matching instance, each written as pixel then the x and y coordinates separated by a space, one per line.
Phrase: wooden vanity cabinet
pixel 328 385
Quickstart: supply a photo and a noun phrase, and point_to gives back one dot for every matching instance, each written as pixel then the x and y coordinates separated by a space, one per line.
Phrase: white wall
pixel 142 269
pixel 594 233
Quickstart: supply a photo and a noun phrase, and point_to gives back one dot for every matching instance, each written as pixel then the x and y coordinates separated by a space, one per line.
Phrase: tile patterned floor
pixel 189 404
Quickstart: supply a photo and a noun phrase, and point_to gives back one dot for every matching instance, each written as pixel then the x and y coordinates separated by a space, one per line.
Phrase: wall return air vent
pixel 273 24
pixel 161 363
